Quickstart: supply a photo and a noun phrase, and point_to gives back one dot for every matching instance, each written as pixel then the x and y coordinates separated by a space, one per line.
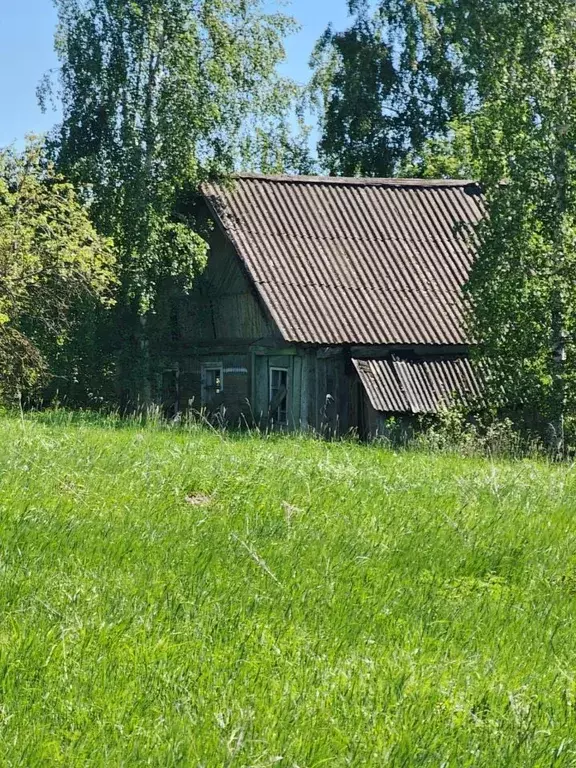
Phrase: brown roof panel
pixel 418 386
pixel 358 261
pixel 382 386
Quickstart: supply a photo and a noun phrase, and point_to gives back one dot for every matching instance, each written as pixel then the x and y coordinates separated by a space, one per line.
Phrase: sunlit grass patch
pixel 183 597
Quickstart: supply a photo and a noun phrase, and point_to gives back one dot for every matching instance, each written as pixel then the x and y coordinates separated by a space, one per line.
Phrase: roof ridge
pixel 355 180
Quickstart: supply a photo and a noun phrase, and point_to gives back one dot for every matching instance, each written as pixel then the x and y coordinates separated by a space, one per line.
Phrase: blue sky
pixel 26 54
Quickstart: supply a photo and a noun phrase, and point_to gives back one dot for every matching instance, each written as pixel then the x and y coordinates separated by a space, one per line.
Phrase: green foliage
pixel 522 286
pixel 448 156
pixel 51 258
pixel 182 598
pixel 158 96
pixel 459 432
pixel 354 76
pixel 387 87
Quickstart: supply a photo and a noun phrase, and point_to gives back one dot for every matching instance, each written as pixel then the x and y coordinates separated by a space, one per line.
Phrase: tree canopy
pixel 522 286
pixel 51 257
pixel 157 96
pixel 386 85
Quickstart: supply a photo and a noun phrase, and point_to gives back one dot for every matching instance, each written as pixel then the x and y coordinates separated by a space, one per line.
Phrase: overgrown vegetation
pixel 181 597
pixel 53 267
pixel 157 96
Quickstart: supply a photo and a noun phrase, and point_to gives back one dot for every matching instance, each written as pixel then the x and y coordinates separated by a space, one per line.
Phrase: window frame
pixel 211 367
pixel 271 395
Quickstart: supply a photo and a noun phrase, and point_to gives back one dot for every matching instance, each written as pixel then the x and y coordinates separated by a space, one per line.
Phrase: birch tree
pixel 158 95
pixel 522 286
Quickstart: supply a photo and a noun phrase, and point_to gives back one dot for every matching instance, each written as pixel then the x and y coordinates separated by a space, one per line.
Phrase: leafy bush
pixel 51 258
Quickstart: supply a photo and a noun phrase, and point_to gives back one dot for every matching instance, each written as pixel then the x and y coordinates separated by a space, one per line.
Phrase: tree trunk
pixel 558 305
pixel 134 367
pixel 558 349
pixel 145 383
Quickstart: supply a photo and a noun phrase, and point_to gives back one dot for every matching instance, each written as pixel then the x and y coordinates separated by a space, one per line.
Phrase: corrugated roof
pixel 418 386
pixel 358 261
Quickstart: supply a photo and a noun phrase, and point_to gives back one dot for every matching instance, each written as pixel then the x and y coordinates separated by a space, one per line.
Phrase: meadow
pixel 180 597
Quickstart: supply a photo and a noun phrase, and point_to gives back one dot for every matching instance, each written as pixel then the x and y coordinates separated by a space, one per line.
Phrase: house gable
pixel 224 306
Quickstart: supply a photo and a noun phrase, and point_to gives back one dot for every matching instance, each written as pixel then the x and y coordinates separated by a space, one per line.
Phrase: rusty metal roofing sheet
pixel 418 386
pixel 359 261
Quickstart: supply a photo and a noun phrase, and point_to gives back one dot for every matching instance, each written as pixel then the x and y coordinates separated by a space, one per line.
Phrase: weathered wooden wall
pixel 217 322
pixel 222 307
pixel 319 386
pixel 232 403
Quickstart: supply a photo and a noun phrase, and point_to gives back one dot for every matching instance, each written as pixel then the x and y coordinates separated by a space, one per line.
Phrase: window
pixel 212 382
pixel 279 395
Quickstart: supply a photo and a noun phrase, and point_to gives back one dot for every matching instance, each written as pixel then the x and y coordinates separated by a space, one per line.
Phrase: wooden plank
pixel 305 381
pixel 277 351
pixel 260 388
pixel 281 361
pixel 295 400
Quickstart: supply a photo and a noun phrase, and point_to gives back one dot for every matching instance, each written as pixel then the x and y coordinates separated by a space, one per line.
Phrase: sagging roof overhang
pixel 419 386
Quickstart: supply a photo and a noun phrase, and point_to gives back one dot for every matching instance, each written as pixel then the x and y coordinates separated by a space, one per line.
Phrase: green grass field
pixel 174 597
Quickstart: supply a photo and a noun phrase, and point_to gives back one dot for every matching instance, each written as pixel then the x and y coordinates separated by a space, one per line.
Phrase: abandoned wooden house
pixel 327 303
